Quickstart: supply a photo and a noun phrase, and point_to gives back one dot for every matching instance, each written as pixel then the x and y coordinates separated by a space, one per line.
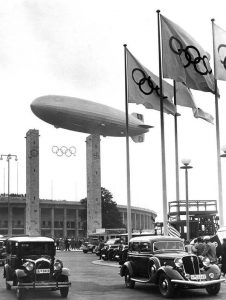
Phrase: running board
pixel 140 279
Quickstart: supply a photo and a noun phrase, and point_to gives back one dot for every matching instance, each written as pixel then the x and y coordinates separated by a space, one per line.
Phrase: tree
pixel 111 217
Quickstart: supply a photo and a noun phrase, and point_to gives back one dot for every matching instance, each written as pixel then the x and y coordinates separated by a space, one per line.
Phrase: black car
pixel 31 264
pixel 107 252
pixel 2 250
pixel 88 247
pixel 162 260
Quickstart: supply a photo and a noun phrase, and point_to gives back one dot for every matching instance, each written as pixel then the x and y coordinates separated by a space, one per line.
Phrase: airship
pixel 88 117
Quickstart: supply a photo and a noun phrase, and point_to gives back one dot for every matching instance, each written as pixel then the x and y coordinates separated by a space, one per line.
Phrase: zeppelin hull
pixel 85 116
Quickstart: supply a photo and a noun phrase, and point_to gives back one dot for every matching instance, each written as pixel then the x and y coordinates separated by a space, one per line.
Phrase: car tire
pixel 213 289
pixel 128 282
pixel 165 286
pixel 20 293
pixel 64 290
pixel 85 251
pixel 110 255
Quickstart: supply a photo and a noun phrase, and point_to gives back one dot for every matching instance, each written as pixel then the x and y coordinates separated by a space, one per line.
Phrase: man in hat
pixel 209 250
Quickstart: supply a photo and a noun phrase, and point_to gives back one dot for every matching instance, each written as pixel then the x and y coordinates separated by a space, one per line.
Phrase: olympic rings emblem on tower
pixel 191 56
pixel 60 151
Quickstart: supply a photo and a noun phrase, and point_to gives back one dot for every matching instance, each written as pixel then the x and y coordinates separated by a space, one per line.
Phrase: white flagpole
pixel 176 154
pixel 129 228
pixel 220 193
pixel 164 191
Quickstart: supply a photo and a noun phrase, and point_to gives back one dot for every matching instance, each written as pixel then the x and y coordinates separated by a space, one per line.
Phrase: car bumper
pixel 43 285
pixel 197 283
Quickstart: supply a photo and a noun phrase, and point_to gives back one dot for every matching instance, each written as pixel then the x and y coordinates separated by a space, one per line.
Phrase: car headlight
pixel 206 261
pixel 178 262
pixel 58 266
pixel 29 266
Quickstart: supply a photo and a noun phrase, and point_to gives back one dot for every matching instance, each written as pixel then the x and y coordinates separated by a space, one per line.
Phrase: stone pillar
pixel 135 221
pixel 52 222
pixel 32 183
pixel 65 222
pixel 94 217
pixel 76 223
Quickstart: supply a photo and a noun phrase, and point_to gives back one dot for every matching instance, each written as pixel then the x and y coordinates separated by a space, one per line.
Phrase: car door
pixel 144 258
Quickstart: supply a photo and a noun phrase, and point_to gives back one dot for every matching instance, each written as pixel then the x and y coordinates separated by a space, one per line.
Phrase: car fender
pixel 153 265
pixel 215 270
pixel 20 273
pixel 170 272
pixel 127 265
pixel 65 271
pixel 8 274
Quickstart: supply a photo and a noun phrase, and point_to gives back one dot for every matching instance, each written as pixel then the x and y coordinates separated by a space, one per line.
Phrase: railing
pixel 194 206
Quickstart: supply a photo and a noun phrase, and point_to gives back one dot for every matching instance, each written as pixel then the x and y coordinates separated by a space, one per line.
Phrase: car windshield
pixel 36 248
pixel 168 245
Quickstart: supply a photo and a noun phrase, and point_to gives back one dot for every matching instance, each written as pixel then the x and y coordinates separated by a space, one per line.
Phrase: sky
pixel 75 48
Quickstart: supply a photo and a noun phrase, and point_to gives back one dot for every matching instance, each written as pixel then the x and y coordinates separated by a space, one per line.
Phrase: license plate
pixel 198 276
pixel 42 271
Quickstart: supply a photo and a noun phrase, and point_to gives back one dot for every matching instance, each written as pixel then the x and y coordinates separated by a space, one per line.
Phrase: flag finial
pixel 125 45
pixel 158 11
pixel 212 20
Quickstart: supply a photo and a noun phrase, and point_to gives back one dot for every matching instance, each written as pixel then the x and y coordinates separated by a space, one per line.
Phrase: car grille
pixel 45 276
pixel 191 264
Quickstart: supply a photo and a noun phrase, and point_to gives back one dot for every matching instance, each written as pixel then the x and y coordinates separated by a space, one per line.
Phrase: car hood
pixel 171 255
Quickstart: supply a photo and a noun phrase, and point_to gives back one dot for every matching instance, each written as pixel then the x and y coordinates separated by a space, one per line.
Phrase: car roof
pixel 155 238
pixel 31 239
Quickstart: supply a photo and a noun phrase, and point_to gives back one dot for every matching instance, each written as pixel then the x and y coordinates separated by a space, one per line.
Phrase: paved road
pixel 94 281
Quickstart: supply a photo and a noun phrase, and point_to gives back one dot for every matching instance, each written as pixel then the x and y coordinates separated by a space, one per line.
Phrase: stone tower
pixel 94 217
pixel 32 183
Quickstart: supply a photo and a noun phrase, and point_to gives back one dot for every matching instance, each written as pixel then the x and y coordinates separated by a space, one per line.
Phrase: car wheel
pixel 64 290
pixel 20 294
pixel 128 282
pixel 165 286
pixel 213 289
pixel 110 255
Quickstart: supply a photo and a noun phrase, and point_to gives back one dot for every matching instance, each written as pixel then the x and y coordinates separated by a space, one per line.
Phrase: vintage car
pixel 162 260
pixel 31 264
pixel 107 252
pixel 2 250
pixel 88 247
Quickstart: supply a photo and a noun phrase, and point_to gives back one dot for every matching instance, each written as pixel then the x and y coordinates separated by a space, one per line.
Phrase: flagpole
pixel 220 193
pixel 129 229
pixel 165 218
pixel 176 153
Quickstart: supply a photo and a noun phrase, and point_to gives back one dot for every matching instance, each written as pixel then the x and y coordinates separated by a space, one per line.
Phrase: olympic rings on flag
pixel 222 61
pixel 140 78
pixel 60 151
pixel 192 56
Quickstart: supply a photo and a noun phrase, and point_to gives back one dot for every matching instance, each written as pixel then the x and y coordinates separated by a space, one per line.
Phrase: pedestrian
pixel 188 247
pixel 57 244
pixel 73 243
pixel 199 247
pixel 100 247
pixel 223 255
pixel 67 244
pixel 209 250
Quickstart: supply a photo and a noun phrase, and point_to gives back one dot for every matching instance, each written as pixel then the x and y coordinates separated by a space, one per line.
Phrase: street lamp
pixel 8 158
pixel 186 166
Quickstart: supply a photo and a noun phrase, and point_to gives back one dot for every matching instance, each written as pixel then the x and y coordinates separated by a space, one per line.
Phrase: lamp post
pixel 8 158
pixel 186 166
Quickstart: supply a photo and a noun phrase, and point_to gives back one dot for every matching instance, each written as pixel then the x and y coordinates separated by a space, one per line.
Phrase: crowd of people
pixel 210 249
pixel 68 244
